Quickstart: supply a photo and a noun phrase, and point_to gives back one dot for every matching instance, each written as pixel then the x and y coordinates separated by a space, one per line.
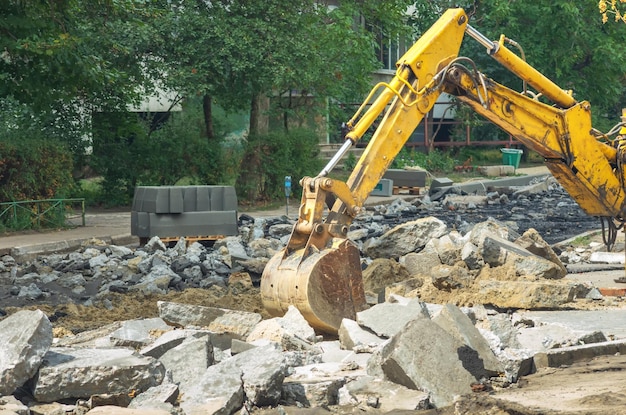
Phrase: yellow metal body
pixel 319 270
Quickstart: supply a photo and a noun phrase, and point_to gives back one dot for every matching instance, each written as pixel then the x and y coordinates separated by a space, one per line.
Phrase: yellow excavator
pixel 319 270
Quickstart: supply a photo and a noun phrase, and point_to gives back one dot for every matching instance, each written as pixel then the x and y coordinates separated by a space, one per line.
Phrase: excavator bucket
pixel 325 286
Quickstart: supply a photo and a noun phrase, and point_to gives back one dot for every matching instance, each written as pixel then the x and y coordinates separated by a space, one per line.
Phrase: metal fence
pixel 46 213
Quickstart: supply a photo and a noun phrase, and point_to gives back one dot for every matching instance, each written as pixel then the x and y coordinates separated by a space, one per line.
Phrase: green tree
pixel 61 60
pixel 587 58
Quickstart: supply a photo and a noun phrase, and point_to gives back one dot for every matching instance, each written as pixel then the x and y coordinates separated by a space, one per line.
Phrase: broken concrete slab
pixel 611 322
pixel 387 319
pixel 156 395
pixel 116 410
pixel 218 320
pixel 421 262
pixel 607 257
pixel 291 331
pixel 169 340
pixel 407 237
pixel 568 355
pixel 188 361
pixel 26 337
pixel 526 294
pixel 477 357
pixel 220 391
pixel 354 337
pixel 254 376
pixel 533 242
pixel 137 333
pixel 318 385
pixel 408 360
pixel 548 336
pixel 9 405
pixel 382 272
pixel 80 373
pixel 382 395
pixel 264 371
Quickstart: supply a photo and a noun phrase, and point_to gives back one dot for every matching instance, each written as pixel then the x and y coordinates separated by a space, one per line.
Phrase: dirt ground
pixel 72 318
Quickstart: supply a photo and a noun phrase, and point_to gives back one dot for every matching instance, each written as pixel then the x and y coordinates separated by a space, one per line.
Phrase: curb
pixel 31 252
pixel 572 354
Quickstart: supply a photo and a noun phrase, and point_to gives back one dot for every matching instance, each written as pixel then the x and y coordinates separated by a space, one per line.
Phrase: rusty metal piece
pixel 325 286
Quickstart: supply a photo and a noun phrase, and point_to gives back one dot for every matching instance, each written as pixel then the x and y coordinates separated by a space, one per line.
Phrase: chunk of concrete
pixel 9 405
pixel 568 355
pixel 318 385
pixel 409 360
pixel 404 238
pixel 533 242
pixel 387 319
pixel 477 357
pixel 496 171
pixel 291 331
pixel 548 336
pixel 25 338
pixel 136 333
pixel 165 393
pixel 381 273
pixel 220 391
pixel 80 373
pixel 188 361
pixel 526 294
pixel 255 376
pixel 354 337
pixel 421 262
pixel 382 395
pixel 117 410
pixel 239 324
pixel 169 340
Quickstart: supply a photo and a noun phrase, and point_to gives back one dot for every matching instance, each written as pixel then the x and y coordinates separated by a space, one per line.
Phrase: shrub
pixel 270 157
pixel 32 169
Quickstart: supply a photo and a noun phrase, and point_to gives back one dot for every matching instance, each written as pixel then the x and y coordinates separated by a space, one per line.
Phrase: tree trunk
pixel 250 176
pixel 207 110
pixel 259 121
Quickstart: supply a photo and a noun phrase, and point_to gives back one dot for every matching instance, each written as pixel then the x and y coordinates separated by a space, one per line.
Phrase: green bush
pixel 434 161
pixel 270 157
pixel 33 168
pixel 127 154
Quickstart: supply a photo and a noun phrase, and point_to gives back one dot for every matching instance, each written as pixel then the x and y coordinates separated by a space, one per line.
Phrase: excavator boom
pixel 319 270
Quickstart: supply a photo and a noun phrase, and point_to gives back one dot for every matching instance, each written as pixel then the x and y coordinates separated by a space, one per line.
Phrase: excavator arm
pixel 319 270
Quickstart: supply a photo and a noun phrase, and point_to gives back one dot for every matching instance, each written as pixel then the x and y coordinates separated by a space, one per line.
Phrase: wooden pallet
pixel 191 239
pixel 406 189
pixel 188 239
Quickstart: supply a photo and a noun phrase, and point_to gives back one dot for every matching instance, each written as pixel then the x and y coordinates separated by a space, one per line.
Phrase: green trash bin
pixel 511 157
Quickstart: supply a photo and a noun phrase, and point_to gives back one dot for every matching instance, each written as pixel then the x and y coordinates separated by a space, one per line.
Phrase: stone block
pixel 352 336
pixel 565 356
pixel 203 198
pixel 496 171
pixel 190 196
pixel 383 188
pixel 193 224
pixel 26 338
pixel 81 373
pixel 477 356
pixel 176 199
pixel 387 319
pixel 152 199
pixel 441 182
pixel 406 178
pixel 423 356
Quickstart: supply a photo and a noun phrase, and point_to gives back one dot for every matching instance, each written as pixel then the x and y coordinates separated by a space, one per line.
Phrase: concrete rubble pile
pixel 203 360
pixel 448 317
